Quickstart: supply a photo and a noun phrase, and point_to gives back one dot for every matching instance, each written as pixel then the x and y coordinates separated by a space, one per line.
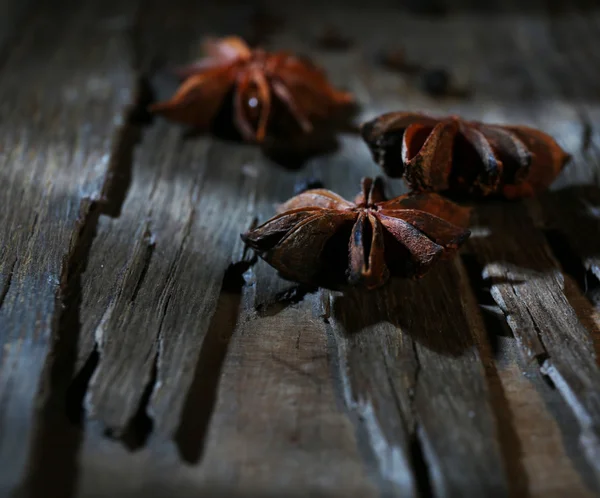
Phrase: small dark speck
pixel 586 135
pixel 332 39
pixel 439 82
pixel 307 184
pixel 436 82
pixel 395 60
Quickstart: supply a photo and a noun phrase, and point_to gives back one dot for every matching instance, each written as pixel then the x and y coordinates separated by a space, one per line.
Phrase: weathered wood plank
pixel 169 241
pixel 555 302
pixel 443 349
pixel 276 426
pixel 163 323
pixel 256 392
pixel 538 428
pixel 427 355
pixel 170 209
pixel 528 287
pixel 540 307
pixel 65 87
pixel 552 468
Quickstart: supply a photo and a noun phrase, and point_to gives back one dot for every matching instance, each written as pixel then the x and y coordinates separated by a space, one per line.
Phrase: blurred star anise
pixel 466 157
pixel 261 82
pixel 322 239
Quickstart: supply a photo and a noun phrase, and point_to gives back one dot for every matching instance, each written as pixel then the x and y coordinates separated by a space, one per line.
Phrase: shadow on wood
pixel 201 398
pixel 427 310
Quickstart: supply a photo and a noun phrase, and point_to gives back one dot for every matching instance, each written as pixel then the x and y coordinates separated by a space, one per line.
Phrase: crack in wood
pixel 65 186
pixel 7 281
pixel 494 321
pixel 587 132
pixel 488 326
pixel 63 390
pixel 114 191
pixel 419 376
pixel 531 345
pixel 140 426
pixel 412 393
pixel 540 357
pixel 586 280
pixel 119 175
pixel 135 433
pixel 588 438
pixel 58 369
pixel 77 389
pixel 420 464
pixel 339 368
pixel 381 445
pixel 150 245
pixel 562 348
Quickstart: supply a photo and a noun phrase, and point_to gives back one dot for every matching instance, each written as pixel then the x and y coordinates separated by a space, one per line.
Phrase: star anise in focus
pixel 466 157
pixel 319 238
pixel 261 83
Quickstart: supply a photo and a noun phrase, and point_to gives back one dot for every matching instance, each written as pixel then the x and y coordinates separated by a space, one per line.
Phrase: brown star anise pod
pixel 260 81
pixel 319 238
pixel 455 155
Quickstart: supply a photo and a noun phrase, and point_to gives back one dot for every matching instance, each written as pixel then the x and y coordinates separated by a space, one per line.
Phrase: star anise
pixel 455 155
pixel 320 238
pixel 260 81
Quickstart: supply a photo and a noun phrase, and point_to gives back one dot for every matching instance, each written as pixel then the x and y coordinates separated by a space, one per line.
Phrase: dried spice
pixel 320 238
pixel 464 157
pixel 261 83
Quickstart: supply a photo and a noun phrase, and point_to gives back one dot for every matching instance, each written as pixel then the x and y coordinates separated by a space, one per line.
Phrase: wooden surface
pixel 146 353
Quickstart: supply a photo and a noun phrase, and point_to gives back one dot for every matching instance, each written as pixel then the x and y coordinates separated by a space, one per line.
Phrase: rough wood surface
pixel 145 353
pixel 410 349
pixel 528 286
pixel 65 91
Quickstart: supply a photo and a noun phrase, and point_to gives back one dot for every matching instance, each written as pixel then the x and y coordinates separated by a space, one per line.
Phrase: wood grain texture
pixel 187 367
pixel 432 366
pixel 552 468
pixel 165 325
pixel 528 286
pixel 65 89
pixel 527 282
pixel 276 424
pixel 149 298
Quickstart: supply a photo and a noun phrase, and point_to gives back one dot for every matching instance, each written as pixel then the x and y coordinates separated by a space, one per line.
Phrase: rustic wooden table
pixel 144 354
